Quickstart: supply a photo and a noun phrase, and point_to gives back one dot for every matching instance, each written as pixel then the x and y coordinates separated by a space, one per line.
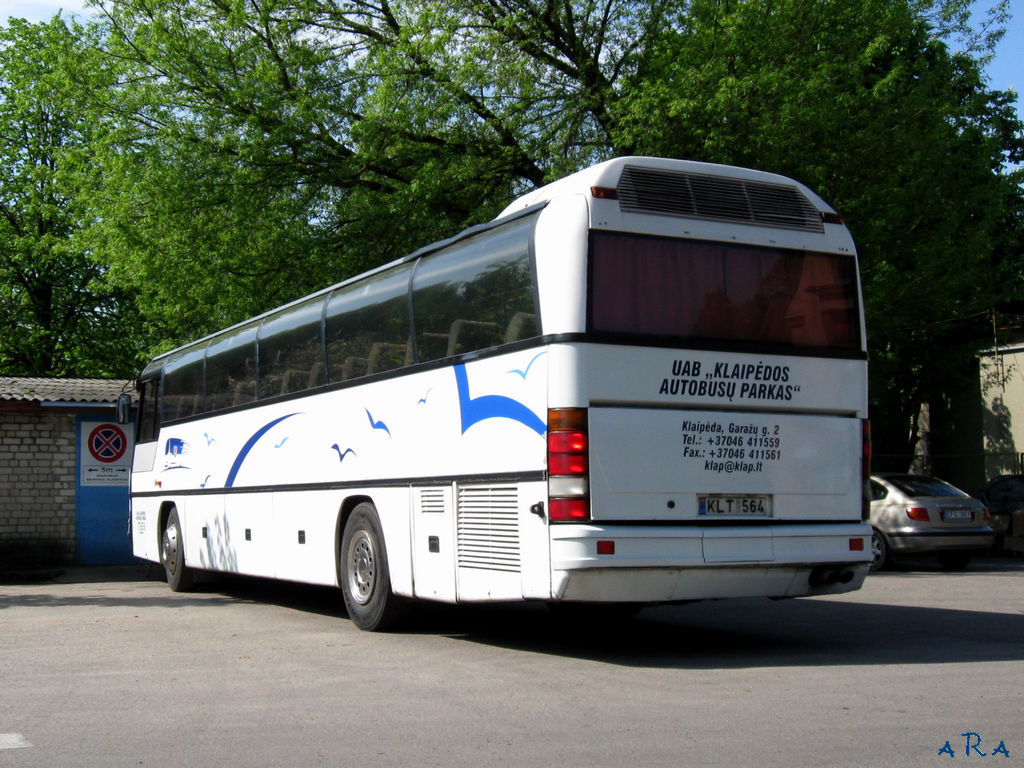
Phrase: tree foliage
pixel 254 150
pixel 863 102
pixel 58 315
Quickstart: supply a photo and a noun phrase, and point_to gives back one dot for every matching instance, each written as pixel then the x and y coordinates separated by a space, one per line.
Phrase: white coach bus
pixel 643 383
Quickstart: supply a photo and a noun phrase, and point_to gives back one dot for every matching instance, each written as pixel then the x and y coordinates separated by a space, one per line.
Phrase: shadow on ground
pixel 705 635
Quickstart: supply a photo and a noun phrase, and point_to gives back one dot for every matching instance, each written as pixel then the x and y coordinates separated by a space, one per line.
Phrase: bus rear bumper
pixel 652 564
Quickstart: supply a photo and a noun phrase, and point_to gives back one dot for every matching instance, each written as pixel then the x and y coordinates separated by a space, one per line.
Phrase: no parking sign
pixel 105 454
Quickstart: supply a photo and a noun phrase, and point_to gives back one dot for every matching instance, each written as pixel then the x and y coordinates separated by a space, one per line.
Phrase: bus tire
pixel 180 577
pixel 364 575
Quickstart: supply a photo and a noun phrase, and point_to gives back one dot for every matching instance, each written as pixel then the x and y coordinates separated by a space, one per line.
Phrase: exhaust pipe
pixel 825 576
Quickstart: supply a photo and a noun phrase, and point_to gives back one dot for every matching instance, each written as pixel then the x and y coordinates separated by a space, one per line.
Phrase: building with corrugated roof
pixel 64 471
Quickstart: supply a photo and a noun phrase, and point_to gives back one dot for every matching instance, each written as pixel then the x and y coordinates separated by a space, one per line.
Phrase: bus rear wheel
pixel 364 575
pixel 180 577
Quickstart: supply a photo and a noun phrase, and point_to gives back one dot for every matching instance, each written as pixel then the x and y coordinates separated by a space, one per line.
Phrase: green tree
pixel 863 101
pixel 269 147
pixel 347 133
pixel 58 316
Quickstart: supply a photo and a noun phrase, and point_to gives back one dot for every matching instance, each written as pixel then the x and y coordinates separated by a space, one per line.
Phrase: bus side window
pixel 149 422
pixel 367 326
pixel 468 335
pixel 523 325
pixel 183 390
pixel 290 351
pixel 476 294
pixel 231 369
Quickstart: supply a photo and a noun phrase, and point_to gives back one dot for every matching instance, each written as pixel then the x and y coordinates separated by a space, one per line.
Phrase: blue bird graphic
pixel 377 424
pixel 423 399
pixel 529 365
pixel 209 440
pixel 342 455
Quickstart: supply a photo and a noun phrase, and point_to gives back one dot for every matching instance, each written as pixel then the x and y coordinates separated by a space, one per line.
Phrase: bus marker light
pixel 562 419
pixel 606 547
pixel 605 193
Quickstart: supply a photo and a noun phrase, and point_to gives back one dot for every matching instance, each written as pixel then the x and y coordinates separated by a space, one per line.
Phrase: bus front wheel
pixel 365 578
pixel 180 577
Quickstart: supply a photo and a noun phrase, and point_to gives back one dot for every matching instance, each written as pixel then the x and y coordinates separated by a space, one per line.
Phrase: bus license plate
pixel 743 505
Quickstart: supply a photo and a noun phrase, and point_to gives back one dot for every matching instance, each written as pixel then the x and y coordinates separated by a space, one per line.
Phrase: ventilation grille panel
pixel 716 198
pixel 488 527
pixel 432 500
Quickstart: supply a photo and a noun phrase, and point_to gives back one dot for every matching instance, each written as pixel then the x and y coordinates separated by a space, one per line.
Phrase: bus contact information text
pixel 731 447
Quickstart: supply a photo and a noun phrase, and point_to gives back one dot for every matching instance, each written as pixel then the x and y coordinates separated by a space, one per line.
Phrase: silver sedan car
pixel 915 514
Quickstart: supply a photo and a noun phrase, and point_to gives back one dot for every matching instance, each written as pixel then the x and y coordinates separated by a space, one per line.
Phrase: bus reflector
pixel 606 547
pixel 568 481
pixel 857 545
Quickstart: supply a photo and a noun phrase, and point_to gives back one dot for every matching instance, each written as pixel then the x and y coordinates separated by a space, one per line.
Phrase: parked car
pixel 1004 497
pixel 915 514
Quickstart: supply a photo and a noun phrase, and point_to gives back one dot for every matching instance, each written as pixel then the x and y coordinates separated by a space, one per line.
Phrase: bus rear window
pixel 719 293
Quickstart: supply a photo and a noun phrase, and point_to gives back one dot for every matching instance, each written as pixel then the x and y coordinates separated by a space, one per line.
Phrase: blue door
pixel 103 469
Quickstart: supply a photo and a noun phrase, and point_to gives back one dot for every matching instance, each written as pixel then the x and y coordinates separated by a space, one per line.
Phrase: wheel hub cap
pixel 362 568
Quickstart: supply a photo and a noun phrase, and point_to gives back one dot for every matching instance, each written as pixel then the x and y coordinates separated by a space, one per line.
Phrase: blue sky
pixel 1006 70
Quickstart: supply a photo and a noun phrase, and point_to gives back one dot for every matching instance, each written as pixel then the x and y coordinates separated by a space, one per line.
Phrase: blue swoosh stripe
pixel 243 454
pixel 477 409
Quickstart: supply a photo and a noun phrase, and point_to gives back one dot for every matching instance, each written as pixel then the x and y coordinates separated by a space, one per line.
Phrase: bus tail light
pixel 569 510
pixel 865 469
pixel 568 468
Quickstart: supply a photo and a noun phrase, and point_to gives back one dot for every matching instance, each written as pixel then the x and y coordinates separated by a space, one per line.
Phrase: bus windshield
pixel 716 292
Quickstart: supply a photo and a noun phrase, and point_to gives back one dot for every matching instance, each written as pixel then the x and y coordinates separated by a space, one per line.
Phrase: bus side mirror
pixel 124 408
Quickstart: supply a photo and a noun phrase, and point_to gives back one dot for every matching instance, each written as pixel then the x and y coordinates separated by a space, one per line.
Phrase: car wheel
pixel 365 578
pixel 880 557
pixel 954 561
pixel 180 577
